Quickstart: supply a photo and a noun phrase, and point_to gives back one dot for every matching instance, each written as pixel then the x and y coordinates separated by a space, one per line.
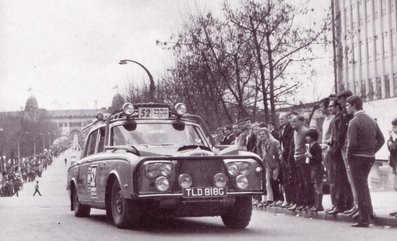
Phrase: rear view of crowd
pixel 297 158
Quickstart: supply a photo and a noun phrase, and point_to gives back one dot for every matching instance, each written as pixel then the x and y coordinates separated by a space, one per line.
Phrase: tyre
pixel 79 209
pixel 125 212
pixel 239 216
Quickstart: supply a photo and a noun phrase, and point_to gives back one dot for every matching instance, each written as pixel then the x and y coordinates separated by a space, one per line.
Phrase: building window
pixel 378 88
pixel 387 86
pixel 395 83
pixel 363 90
pixel 371 90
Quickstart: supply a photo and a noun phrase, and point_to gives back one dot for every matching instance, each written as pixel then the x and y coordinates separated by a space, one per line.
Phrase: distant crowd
pixel 298 159
pixel 14 174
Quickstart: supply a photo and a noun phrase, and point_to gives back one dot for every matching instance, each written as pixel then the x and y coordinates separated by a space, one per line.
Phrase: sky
pixel 66 53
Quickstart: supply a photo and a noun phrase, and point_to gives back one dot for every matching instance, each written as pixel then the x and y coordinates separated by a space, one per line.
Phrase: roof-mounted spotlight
pixel 180 109
pixel 99 116
pixel 128 108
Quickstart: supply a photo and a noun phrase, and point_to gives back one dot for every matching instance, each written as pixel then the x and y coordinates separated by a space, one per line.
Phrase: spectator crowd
pixel 298 157
pixel 14 174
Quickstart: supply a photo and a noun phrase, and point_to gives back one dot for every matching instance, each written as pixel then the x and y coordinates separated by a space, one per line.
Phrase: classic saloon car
pixel 149 160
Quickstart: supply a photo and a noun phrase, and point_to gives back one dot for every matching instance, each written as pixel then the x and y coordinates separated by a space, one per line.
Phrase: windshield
pixel 156 134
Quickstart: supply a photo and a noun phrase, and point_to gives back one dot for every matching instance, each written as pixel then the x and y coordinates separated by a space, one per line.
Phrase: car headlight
pixel 220 180
pixel 242 182
pixel 166 170
pixel 152 170
pixel 245 168
pixel 185 181
pixel 162 184
pixel 232 168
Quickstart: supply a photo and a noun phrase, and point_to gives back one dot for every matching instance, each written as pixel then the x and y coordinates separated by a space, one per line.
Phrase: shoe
pixel 299 207
pixel 360 225
pixel 357 215
pixel 290 205
pixel 292 208
pixel 352 213
pixel 278 203
pixel 318 209
pixel 352 210
pixel 284 205
pixel 331 209
pixel 268 204
pixel 255 202
pixel 334 211
pixel 260 205
pixel 394 214
pixel 307 208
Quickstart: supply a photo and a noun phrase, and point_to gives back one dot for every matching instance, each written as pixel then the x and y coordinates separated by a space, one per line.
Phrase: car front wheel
pixel 239 216
pixel 125 212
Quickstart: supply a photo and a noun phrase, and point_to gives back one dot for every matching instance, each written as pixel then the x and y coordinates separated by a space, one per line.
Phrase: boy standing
pixel 314 159
pixel 36 189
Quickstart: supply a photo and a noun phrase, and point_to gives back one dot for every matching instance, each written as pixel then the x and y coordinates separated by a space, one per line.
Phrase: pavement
pixel 383 202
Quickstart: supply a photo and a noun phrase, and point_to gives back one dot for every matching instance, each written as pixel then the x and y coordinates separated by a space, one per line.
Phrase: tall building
pixel 366 55
pixel 366 44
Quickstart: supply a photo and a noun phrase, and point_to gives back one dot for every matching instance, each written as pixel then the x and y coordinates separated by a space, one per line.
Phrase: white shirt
pixel 326 129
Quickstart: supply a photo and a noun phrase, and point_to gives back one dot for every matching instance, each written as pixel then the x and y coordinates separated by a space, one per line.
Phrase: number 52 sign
pixel 91 179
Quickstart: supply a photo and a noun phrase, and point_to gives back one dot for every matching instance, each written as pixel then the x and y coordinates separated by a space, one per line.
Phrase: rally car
pixel 149 160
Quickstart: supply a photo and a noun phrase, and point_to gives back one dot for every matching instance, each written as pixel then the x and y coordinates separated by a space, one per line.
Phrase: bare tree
pixel 276 39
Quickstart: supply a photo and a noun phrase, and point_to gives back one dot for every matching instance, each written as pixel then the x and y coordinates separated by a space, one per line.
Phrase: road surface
pixel 49 218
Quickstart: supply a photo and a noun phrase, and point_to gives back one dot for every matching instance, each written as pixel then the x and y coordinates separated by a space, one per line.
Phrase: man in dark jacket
pixel 229 135
pixel 364 139
pixel 343 195
pixel 351 200
pixel 286 135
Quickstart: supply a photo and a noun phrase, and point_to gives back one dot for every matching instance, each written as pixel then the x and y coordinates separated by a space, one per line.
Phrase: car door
pixel 102 167
pixel 87 170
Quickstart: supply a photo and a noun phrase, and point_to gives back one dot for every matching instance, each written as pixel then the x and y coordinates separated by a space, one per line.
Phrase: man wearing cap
pixel 364 139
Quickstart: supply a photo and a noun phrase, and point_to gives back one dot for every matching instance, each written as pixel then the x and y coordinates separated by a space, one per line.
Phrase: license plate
pixel 204 192
pixel 153 113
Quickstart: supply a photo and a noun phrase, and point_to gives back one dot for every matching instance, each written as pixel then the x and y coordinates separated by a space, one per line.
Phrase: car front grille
pixel 201 171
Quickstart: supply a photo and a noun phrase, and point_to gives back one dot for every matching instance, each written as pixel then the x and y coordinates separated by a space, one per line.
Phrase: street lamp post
pixel 151 86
